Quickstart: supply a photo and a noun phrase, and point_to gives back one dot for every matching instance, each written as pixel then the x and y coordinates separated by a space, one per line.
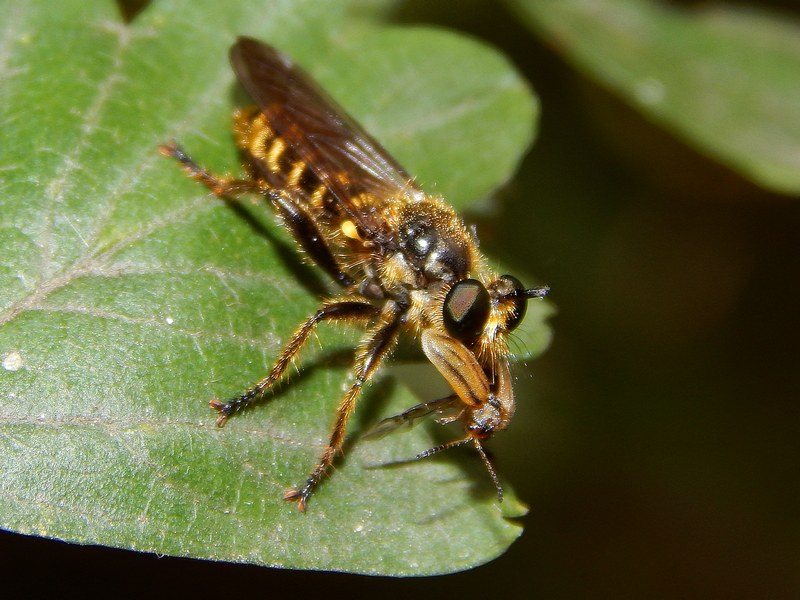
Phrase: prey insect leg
pixel 368 358
pixel 484 457
pixel 339 310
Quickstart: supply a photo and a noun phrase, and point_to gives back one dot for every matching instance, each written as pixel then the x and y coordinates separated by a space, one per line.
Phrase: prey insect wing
pixel 412 416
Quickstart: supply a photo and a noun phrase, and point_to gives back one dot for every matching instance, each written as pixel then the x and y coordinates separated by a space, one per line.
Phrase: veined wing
pixel 412 415
pixel 345 158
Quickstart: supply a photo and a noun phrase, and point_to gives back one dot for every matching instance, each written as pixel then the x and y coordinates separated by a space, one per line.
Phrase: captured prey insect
pixel 404 259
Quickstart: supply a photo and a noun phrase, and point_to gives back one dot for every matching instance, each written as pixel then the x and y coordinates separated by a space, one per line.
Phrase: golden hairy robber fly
pixel 405 261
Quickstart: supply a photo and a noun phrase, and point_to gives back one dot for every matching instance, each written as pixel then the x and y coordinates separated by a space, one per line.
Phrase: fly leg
pixel 224 187
pixel 308 236
pixel 343 310
pixel 297 220
pixel 369 355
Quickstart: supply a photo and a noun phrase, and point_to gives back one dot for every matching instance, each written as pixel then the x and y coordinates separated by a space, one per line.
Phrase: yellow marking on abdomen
pixel 259 140
pixel 318 197
pixel 298 167
pixel 274 154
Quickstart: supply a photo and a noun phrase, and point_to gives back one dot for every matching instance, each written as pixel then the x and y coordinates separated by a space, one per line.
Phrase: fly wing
pixel 345 158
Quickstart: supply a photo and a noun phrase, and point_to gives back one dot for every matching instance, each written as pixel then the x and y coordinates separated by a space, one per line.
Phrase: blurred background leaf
pixel 723 77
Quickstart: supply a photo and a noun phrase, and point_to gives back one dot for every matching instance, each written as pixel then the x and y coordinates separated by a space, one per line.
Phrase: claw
pixel 224 411
pixel 299 496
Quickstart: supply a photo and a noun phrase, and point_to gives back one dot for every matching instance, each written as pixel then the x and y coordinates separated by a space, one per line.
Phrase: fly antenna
pixel 539 292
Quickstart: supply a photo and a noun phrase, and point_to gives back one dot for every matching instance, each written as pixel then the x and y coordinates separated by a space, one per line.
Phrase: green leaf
pixel 725 78
pixel 129 296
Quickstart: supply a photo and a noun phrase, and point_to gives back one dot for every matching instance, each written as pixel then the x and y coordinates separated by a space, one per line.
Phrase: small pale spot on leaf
pixel 13 361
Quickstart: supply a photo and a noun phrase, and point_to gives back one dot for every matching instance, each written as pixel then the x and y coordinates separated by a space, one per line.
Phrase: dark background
pixel 657 439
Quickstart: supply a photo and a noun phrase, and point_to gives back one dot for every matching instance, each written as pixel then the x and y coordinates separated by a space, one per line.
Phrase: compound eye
pixel 515 291
pixel 466 310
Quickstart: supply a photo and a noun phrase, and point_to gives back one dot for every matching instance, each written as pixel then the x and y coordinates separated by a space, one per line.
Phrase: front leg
pixel 458 366
pixel 490 405
pixel 369 355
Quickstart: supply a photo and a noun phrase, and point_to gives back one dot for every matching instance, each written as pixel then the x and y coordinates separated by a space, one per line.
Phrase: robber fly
pixel 405 261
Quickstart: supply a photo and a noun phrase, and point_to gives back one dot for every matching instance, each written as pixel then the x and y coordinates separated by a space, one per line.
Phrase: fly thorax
pixel 435 241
